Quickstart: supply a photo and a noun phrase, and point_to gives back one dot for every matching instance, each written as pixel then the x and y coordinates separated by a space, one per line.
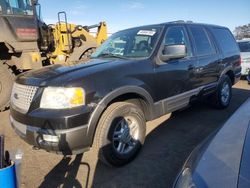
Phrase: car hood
pixel 64 72
pixel 220 163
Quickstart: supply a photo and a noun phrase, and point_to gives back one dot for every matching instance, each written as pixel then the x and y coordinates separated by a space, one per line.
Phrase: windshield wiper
pixel 111 55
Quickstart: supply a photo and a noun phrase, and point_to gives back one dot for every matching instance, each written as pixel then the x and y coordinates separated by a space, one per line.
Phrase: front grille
pixel 22 96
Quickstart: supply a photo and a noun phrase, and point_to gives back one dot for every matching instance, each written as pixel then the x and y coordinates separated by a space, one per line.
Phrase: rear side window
pixel 201 40
pixel 225 40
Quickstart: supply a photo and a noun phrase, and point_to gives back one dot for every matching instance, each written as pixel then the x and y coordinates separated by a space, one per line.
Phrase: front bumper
pixel 61 132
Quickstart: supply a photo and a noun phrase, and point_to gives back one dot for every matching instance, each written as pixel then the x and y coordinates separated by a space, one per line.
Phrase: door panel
pixel 177 75
pixel 207 56
pixel 207 69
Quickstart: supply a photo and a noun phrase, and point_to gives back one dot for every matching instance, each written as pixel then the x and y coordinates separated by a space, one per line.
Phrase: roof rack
pixel 182 21
pixel 178 21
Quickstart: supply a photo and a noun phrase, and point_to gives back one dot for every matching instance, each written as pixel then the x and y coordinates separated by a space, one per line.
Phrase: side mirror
pixel 173 52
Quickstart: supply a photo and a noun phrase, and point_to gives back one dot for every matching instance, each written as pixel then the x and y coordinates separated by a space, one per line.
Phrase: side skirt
pixel 182 100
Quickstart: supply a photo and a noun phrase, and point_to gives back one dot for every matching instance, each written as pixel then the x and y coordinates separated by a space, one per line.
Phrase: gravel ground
pixel 170 139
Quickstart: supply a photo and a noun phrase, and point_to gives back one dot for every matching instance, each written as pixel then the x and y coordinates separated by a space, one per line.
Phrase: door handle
pixel 200 69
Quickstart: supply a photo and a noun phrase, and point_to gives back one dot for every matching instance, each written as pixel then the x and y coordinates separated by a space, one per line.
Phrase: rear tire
pixel 221 99
pixel 120 133
pixel 6 82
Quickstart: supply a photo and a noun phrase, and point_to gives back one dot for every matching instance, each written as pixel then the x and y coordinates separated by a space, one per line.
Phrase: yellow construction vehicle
pixel 73 42
pixel 26 42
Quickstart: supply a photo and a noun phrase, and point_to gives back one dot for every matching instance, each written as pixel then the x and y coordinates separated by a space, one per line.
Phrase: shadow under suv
pixel 137 75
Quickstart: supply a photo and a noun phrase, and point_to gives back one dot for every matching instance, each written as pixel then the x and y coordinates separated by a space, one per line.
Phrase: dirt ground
pixel 170 139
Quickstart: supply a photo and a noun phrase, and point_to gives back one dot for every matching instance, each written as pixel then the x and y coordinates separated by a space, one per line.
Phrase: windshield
pixel 16 7
pixel 244 46
pixel 131 43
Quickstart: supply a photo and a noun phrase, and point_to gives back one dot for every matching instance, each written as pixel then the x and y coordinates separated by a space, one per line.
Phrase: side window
pixel 177 35
pixel 201 41
pixel 225 40
pixel 18 7
pixel 4 7
pixel 14 4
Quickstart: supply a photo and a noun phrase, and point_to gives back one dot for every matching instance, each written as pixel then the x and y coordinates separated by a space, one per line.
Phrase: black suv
pixel 137 75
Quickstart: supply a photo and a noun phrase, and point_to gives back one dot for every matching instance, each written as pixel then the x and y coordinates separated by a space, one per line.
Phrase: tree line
pixel 243 31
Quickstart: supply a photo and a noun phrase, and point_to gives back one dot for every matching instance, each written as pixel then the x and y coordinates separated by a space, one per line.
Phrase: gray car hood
pixel 220 163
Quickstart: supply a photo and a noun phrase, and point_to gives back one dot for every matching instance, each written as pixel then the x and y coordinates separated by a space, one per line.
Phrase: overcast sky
pixel 121 14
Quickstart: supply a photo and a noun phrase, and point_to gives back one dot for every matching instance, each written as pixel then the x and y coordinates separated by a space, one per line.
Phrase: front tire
pixel 221 99
pixel 6 82
pixel 120 133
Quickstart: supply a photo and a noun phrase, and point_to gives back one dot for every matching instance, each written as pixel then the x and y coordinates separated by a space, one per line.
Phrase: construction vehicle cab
pixel 26 42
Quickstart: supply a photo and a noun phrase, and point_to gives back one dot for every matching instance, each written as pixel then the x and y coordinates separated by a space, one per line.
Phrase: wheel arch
pixel 230 73
pixel 121 94
pixel 127 93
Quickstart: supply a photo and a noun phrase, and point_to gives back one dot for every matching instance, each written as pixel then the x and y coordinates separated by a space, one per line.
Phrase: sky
pixel 122 14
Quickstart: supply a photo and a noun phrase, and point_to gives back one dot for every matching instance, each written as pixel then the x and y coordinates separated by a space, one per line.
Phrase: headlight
pixel 185 179
pixel 62 98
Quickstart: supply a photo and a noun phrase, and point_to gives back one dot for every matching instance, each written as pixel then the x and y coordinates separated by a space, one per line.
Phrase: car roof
pixel 178 22
pixel 191 23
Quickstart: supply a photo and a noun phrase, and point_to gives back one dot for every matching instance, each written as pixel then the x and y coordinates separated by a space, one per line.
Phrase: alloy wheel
pixel 225 93
pixel 125 135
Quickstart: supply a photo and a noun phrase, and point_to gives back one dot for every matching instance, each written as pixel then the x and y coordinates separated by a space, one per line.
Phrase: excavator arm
pixel 101 34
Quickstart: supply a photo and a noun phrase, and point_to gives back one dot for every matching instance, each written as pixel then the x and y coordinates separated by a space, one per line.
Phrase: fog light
pixel 50 138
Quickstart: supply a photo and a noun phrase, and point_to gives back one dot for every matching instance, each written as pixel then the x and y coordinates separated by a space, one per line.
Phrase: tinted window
pixel 176 35
pixel 244 46
pixel 201 40
pixel 225 40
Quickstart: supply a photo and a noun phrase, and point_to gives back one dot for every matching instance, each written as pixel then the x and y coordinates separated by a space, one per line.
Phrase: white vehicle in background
pixel 245 56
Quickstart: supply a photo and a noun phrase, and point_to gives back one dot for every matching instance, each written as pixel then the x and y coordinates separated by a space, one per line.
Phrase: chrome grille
pixel 22 96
